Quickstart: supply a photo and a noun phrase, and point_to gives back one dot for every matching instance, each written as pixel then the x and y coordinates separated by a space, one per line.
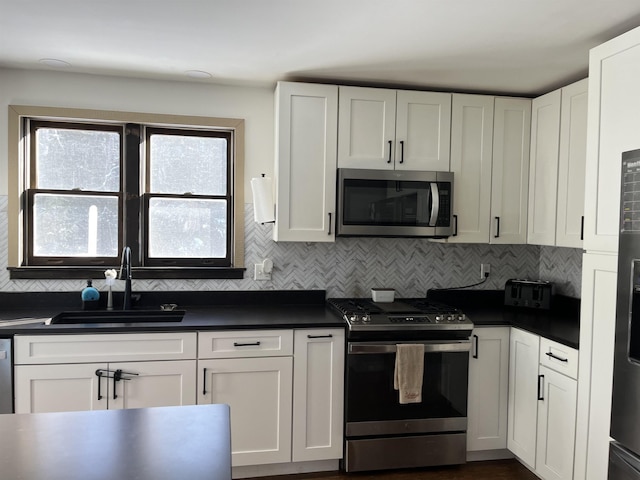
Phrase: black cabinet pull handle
pixel 475 353
pixel 329 232
pixel 455 225
pixel 254 344
pixel 204 381
pixel 401 151
pixel 540 387
pixel 497 227
pixel 320 336
pixel 99 375
pixel 117 376
pixel 390 142
pixel 582 228
pixel 551 355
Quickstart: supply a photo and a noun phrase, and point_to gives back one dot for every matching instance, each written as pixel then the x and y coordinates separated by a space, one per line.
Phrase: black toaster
pixel 528 293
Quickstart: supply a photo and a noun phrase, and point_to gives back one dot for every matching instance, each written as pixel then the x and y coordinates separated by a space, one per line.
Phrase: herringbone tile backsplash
pixel 351 266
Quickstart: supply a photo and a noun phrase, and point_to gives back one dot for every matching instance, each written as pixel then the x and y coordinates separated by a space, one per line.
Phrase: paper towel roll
pixel 263 206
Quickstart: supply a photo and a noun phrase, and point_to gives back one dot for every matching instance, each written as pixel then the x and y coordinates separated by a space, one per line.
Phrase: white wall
pixel 63 89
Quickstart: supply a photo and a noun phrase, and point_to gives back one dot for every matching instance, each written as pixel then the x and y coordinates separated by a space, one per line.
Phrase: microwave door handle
pixel 435 204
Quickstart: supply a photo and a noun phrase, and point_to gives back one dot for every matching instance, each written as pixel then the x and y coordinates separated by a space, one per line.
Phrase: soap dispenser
pixel 90 297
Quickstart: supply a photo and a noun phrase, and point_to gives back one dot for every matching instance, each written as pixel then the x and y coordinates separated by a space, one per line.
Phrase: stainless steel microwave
pixel 394 203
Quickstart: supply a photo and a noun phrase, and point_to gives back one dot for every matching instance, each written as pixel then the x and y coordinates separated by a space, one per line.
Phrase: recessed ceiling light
pixel 197 74
pixel 54 62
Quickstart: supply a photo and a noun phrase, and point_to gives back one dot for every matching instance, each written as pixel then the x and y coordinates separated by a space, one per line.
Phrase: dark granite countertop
pixel 204 311
pixel 486 308
pixel 163 443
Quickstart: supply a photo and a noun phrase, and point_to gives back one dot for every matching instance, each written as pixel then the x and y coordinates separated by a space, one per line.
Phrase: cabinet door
pixel 612 128
pixel 556 426
pixel 258 391
pixel 488 389
pixel 318 380
pixel 510 170
pixel 60 388
pixel 523 395
pixel 471 150
pixel 595 376
pixel 543 172
pixel 571 165
pixel 423 131
pixel 366 128
pixel 306 142
pixel 154 384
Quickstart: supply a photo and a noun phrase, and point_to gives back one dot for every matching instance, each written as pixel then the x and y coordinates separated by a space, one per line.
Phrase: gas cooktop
pixel 403 314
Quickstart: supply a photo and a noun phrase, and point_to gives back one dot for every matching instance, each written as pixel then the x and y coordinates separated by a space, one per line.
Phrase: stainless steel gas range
pixel 380 432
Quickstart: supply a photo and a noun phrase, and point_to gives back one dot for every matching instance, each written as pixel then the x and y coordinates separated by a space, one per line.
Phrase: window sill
pixel 64 273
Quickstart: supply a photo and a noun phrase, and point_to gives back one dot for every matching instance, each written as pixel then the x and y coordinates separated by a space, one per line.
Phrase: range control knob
pixel 353 318
pixel 439 318
pixel 366 318
pixel 449 318
pixel 462 317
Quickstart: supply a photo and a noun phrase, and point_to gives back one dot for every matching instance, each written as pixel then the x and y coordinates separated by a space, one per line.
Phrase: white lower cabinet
pixel 318 393
pixel 523 395
pixel 556 425
pixel 488 389
pixel 284 388
pixel 542 404
pixel 59 373
pixel 59 388
pixel 259 392
pixel 92 386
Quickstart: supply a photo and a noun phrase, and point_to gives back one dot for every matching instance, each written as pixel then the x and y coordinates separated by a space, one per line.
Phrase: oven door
pixel 372 404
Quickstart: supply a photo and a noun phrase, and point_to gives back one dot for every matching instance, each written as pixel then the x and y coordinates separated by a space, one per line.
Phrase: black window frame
pixel 32 190
pixel 132 209
pixel 148 196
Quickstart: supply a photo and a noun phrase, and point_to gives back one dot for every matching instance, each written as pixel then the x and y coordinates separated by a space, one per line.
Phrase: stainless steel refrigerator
pixel 624 451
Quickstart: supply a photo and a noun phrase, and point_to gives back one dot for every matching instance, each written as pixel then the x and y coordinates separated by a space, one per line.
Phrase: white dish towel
pixel 407 376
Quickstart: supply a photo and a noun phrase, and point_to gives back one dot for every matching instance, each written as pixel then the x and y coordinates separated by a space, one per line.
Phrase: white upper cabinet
pixel 305 169
pixel 613 127
pixel 558 159
pixel 490 161
pixel 423 137
pixel 543 176
pixel 471 150
pixel 571 165
pixel 393 129
pixel 510 170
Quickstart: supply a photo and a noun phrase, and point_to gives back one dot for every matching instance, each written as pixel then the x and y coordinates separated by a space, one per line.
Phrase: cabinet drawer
pixel 47 349
pixel 249 343
pixel 559 357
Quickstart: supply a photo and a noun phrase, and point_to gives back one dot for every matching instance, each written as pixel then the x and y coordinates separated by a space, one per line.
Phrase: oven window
pixel 371 396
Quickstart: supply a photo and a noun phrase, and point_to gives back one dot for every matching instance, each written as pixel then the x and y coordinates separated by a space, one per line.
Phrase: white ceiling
pixel 524 47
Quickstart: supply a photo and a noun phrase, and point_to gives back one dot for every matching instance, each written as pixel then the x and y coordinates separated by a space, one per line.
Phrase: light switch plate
pixel 259 273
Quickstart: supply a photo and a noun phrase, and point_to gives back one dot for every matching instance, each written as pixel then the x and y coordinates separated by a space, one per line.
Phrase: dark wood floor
pixel 489 470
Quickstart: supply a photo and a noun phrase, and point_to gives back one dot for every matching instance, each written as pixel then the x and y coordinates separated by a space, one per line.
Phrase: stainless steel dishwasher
pixel 6 376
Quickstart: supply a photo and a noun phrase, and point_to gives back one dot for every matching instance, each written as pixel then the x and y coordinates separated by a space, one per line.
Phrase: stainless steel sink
pixel 118 316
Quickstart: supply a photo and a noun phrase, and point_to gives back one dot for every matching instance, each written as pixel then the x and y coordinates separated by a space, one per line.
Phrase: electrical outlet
pixel 259 273
pixel 485 269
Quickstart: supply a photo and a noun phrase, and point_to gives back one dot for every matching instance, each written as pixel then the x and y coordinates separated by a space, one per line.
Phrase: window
pixel 90 187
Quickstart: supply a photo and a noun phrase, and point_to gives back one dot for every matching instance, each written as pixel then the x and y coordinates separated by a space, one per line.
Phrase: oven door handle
pixel 429 347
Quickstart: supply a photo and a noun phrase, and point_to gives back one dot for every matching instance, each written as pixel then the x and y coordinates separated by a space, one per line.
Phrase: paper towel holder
pixel 263 203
